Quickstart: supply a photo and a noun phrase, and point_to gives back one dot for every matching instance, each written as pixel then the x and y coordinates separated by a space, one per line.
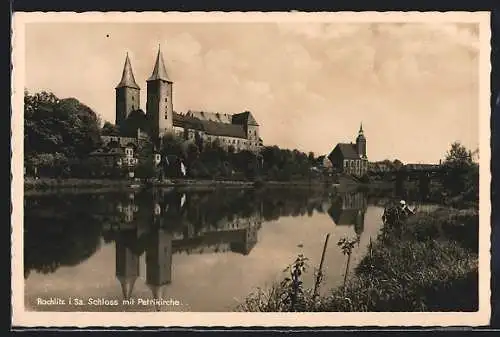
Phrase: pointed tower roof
pixel 127 286
pixel 361 134
pixel 128 79
pixel 159 71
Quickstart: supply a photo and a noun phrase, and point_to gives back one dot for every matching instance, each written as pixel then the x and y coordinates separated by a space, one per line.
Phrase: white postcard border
pixel 23 318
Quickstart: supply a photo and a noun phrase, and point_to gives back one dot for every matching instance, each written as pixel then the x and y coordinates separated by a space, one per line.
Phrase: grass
pixel 430 263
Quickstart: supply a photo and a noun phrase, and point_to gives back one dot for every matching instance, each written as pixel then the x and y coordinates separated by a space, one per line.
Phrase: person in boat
pixel 390 212
pixel 405 209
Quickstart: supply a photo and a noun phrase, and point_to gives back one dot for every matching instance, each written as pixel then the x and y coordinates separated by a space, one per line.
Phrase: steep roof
pixel 348 150
pixel 223 129
pixel 210 127
pixel 128 79
pixel 244 118
pixel 159 71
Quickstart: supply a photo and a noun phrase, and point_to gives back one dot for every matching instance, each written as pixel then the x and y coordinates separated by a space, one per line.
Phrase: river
pixel 197 251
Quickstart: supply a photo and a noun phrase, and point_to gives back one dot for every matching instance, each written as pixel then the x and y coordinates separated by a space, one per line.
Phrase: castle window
pixel 166 99
pixel 132 98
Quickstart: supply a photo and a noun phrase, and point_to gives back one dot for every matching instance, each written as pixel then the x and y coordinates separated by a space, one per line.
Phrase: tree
pixel 54 125
pixel 137 119
pixel 397 164
pixel 109 129
pixel 458 156
pixel 198 140
pixel 311 158
pixel 460 171
pixel 171 145
pixel 146 167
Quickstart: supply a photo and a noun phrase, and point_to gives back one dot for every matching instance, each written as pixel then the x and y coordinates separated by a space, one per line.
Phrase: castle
pixel 233 132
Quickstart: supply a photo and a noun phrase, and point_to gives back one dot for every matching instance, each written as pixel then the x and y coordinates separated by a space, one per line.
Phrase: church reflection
pixel 174 223
pixel 349 209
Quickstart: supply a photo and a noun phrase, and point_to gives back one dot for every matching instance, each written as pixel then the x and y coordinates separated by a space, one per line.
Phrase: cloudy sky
pixel 413 86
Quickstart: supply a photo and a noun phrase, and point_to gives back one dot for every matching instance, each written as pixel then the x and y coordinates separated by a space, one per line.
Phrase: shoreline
pixel 48 185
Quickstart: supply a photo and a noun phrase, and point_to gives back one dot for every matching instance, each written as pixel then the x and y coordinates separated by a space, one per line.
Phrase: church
pixel 350 158
pixel 233 132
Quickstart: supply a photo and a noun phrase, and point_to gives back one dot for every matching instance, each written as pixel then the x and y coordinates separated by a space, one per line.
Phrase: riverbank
pixel 430 265
pixel 44 185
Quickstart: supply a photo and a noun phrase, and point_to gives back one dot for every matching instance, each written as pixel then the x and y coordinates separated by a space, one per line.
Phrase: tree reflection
pixel 67 230
pixel 59 231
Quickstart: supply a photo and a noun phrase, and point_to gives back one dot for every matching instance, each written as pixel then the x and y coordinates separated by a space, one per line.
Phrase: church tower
pixel 361 143
pixel 159 106
pixel 127 94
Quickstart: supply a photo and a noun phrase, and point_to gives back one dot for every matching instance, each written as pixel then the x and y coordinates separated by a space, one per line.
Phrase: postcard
pixel 250 169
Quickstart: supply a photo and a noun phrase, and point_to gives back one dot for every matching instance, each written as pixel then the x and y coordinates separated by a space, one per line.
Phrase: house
pixel 116 156
pixel 350 158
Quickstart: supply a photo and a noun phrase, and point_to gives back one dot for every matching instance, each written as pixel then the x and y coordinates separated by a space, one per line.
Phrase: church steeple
pixel 159 71
pixel 128 80
pixel 361 142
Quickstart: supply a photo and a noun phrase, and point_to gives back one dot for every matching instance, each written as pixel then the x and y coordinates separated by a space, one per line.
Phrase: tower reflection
pixel 168 222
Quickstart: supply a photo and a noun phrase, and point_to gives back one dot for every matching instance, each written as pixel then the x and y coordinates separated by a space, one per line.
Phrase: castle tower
pixel 127 94
pixel 159 106
pixel 159 261
pixel 127 262
pixel 361 143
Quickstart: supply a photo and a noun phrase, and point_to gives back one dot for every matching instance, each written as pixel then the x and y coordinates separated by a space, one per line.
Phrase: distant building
pixel 379 167
pixel 351 158
pixel 421 167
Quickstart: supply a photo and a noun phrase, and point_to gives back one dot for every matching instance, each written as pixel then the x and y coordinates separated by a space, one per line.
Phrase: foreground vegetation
pixel 428 264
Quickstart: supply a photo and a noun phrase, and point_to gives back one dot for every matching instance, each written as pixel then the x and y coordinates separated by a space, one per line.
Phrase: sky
pixel 414 86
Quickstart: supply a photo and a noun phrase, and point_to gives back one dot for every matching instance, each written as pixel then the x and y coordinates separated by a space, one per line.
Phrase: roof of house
pixel 348 150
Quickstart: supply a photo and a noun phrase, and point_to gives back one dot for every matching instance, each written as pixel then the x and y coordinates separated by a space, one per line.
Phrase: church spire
pixel 159 71
pixel 361 128
pixel 128 79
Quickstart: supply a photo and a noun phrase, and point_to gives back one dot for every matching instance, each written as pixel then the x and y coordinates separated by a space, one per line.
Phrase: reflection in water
pixel 349 209
pixel 177 224
pixel 65 231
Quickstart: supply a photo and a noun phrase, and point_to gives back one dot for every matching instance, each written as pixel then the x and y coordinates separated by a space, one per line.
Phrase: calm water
pixel 197 251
